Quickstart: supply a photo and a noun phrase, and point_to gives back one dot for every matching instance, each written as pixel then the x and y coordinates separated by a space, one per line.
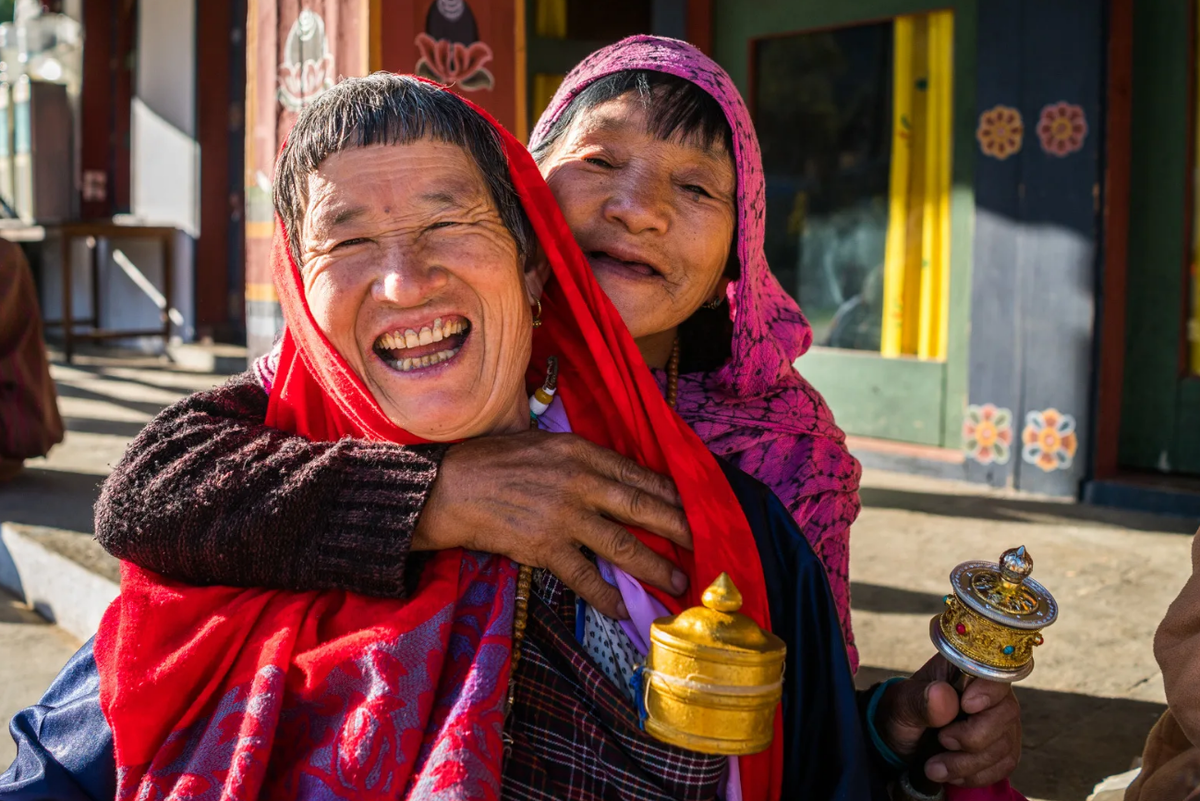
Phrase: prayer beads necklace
pixel 538 403
pixel 673 374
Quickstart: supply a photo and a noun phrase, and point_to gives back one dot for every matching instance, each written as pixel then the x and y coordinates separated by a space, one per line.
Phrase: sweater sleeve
pixel 208 494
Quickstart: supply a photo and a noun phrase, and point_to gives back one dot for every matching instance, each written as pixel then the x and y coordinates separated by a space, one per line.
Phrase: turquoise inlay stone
pixel 1008 649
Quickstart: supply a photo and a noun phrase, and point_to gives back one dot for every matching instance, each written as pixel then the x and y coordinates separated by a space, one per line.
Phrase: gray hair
pixel 386 109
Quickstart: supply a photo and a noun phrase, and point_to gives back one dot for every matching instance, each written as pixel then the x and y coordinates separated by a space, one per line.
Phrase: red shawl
pixel 284 693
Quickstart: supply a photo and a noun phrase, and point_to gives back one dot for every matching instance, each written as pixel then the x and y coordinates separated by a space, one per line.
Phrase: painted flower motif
pixel 302 83
pixel 987 434
pixel 306 70
pixel 1049 440
pixel 453 63
pixel 1001 132
pixel 1062 128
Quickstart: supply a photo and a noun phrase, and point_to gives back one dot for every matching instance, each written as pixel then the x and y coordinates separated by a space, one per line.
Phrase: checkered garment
pixel 575 735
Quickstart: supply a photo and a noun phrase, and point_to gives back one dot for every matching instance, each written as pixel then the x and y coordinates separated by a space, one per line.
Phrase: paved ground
pixel 33 651
pixel 1087 707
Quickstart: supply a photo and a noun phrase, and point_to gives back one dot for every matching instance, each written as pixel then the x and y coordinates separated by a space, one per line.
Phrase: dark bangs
pixel 677 109
pixel 385 109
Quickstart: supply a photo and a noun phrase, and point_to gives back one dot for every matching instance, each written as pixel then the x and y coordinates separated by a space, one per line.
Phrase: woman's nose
pixel 640 203
pixel 407 280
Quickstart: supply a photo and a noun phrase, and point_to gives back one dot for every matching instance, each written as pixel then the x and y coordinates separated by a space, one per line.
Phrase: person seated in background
pixel 29 421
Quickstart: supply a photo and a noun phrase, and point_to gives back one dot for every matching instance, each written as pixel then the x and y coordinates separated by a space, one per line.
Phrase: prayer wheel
pixel 994 617
pixel 992 621
pixel 713 677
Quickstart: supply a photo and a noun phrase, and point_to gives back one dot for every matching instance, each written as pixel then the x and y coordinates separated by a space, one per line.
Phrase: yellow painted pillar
pixel 935 223
pixel 896 245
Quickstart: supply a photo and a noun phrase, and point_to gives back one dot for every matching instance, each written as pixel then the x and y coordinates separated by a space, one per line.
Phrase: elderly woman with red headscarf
pixel 401 209
pixel 418 213
pixel 651 154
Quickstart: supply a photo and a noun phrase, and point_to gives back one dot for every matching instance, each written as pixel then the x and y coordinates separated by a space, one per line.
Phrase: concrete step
pixel 65 576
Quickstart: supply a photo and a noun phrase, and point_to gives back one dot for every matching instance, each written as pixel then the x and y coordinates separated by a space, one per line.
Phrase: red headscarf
pixel 161 674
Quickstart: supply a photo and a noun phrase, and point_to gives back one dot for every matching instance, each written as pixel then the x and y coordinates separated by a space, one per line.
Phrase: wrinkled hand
pixel 537 498
pixel 981 750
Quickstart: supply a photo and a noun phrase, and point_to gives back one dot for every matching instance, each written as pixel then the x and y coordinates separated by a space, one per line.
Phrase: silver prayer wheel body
pixel 994 617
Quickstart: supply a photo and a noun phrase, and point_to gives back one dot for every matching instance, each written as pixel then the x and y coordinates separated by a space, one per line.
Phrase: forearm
pixel 209 495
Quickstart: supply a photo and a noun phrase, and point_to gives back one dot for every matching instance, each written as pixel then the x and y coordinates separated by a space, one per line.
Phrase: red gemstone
pixel 960 628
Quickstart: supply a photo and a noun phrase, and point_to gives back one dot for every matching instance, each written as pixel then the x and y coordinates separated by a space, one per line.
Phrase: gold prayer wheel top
pixel 713 678
pixel 994 618
pixel 718 625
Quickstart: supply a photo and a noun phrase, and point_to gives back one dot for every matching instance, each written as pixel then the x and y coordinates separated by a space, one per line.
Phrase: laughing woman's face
pixel 410 272
pixel 654 217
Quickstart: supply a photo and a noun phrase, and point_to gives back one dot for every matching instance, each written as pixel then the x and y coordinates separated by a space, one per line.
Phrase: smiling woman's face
pixel 413 277
pixel 655 218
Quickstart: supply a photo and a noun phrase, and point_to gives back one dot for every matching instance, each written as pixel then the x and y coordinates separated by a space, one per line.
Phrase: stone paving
pixel 1086 708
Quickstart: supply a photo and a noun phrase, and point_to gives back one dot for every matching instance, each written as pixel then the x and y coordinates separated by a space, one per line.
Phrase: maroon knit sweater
pixel 208 494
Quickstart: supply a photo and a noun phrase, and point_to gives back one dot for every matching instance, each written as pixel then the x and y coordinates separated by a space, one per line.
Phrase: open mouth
pixel 410 349
pixel 605 260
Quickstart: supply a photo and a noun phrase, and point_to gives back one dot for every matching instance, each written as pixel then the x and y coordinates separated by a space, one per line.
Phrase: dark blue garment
pixel 818 687
pixel 65 750
pixel 64 745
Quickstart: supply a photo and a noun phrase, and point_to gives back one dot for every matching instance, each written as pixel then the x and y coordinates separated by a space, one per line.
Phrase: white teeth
pixel 408 365
pixel 410 338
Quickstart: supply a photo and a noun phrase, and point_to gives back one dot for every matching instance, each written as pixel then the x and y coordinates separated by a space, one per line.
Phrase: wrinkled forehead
pixel 630 114
pixel 414 178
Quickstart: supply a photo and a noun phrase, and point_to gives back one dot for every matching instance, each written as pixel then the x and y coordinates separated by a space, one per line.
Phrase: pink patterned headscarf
pixel 757 411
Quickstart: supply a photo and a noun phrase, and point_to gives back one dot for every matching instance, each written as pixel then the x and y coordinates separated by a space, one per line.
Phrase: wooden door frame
pixel 1118 132
pixel 217 285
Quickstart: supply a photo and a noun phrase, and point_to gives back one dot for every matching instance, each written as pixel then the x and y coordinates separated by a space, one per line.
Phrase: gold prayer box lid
pixel 718 626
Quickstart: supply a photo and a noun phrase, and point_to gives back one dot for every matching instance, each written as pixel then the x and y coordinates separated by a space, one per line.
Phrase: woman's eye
pixel 442 224
pixel 696 190
pixel 358 240
pixel 598 162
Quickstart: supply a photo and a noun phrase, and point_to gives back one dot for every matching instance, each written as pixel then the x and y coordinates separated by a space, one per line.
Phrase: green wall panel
pixel 1187 457
pixel 1157 233
pixel 876 397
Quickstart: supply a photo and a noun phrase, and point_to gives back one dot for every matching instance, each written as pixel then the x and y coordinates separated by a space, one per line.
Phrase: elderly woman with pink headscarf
pixel 651 154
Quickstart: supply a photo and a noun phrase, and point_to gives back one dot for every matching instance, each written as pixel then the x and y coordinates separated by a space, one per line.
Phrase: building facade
pixel 986 208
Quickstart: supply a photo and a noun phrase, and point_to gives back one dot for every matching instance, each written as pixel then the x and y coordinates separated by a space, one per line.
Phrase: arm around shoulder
pixel 209 494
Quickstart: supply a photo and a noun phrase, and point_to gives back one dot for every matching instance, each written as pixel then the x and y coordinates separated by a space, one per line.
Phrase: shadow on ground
pixel 53 498
pixel 1021 510
pixel 150 408
pixel 93 425
pixel 1071 741
pixel 889 600
pixel 13 611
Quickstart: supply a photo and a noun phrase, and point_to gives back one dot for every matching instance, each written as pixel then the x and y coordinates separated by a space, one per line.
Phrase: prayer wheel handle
pixel 916 784
pixel 991 623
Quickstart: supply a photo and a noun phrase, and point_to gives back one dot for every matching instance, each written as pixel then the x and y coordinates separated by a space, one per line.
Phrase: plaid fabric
pixel 575 735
